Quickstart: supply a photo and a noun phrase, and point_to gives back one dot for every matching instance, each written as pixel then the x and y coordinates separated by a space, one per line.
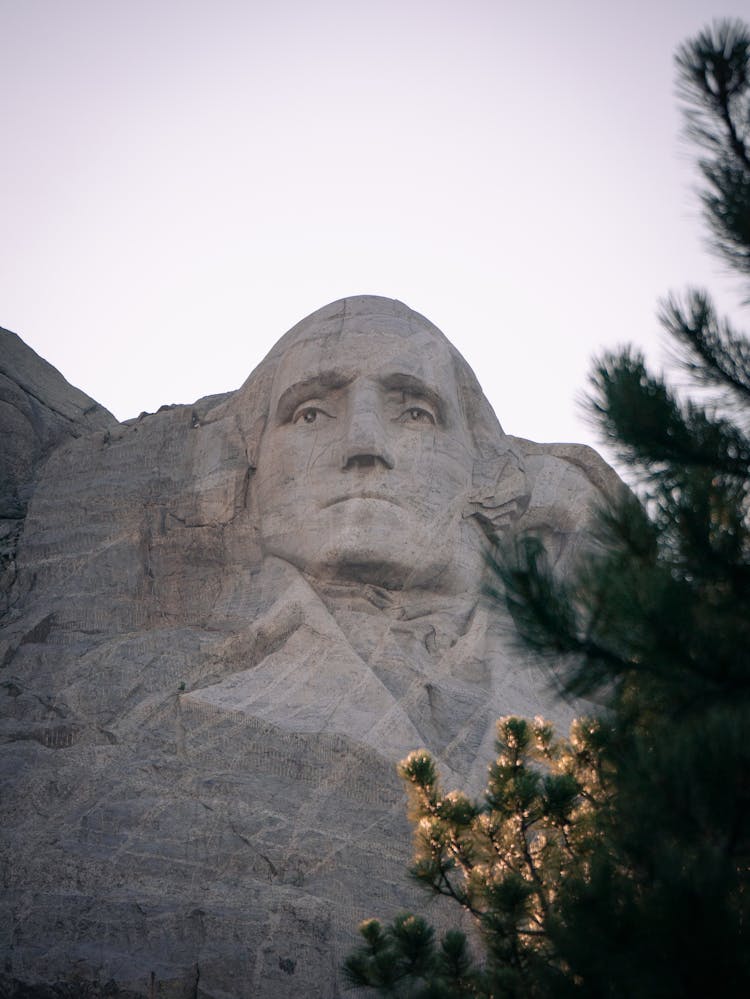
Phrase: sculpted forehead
pixel 368 313
pixel 374 349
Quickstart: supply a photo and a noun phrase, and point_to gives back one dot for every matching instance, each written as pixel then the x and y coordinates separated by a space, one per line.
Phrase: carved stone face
pixel 365 465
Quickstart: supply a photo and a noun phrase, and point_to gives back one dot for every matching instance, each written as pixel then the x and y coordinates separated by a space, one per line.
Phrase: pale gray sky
pixel 182 181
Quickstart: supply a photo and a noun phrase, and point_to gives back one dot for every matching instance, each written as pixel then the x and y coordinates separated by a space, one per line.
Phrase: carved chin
pixel 355 556
pixel 400 561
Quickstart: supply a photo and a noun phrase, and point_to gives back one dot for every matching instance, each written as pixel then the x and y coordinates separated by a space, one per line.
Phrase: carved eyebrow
pixel 411 385
pixel 308 388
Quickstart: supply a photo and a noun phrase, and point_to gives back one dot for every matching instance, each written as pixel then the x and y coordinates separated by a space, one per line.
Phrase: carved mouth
pixel 361 496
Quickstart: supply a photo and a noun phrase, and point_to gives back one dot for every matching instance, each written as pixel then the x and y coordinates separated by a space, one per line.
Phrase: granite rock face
pixel 39 411
pixel 224 624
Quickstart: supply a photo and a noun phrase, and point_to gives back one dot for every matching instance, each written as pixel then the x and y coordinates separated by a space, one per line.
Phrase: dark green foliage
pixel 402 960
pixel 617 863
pixel 714 82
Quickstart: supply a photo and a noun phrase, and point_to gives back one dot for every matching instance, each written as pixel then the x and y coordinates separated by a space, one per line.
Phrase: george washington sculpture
pixel 226 622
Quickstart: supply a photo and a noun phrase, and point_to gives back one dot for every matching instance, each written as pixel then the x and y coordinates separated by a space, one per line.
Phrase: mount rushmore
pixel 222 626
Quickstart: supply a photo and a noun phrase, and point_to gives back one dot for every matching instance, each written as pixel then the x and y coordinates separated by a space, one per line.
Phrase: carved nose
pixel 365 444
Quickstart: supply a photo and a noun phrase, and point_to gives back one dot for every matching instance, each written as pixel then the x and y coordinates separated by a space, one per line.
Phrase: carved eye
pixel 417 414
pixel 309 414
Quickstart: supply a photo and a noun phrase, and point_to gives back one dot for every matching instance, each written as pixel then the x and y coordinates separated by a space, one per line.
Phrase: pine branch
pixel 714 83
pixel 653 432
pixel 713 79
pixel 713 353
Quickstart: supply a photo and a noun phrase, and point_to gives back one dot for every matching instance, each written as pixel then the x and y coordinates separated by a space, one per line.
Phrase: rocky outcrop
pixel 39 410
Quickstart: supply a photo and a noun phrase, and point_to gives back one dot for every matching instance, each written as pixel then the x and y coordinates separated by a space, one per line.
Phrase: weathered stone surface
pixel 38 411
pixel 226 623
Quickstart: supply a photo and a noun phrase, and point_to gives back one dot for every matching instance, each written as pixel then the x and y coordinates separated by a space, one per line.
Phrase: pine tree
pixel 503 860
pixel 618 863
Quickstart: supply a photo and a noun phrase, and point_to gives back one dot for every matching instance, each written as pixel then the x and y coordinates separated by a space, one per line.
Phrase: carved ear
pixel 500 493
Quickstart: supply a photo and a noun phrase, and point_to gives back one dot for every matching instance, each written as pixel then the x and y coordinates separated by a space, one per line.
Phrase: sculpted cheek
pixel 324 455
pixel 444 466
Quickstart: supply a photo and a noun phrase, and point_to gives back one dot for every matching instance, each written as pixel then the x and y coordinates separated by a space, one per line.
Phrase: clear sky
pixel 183 180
